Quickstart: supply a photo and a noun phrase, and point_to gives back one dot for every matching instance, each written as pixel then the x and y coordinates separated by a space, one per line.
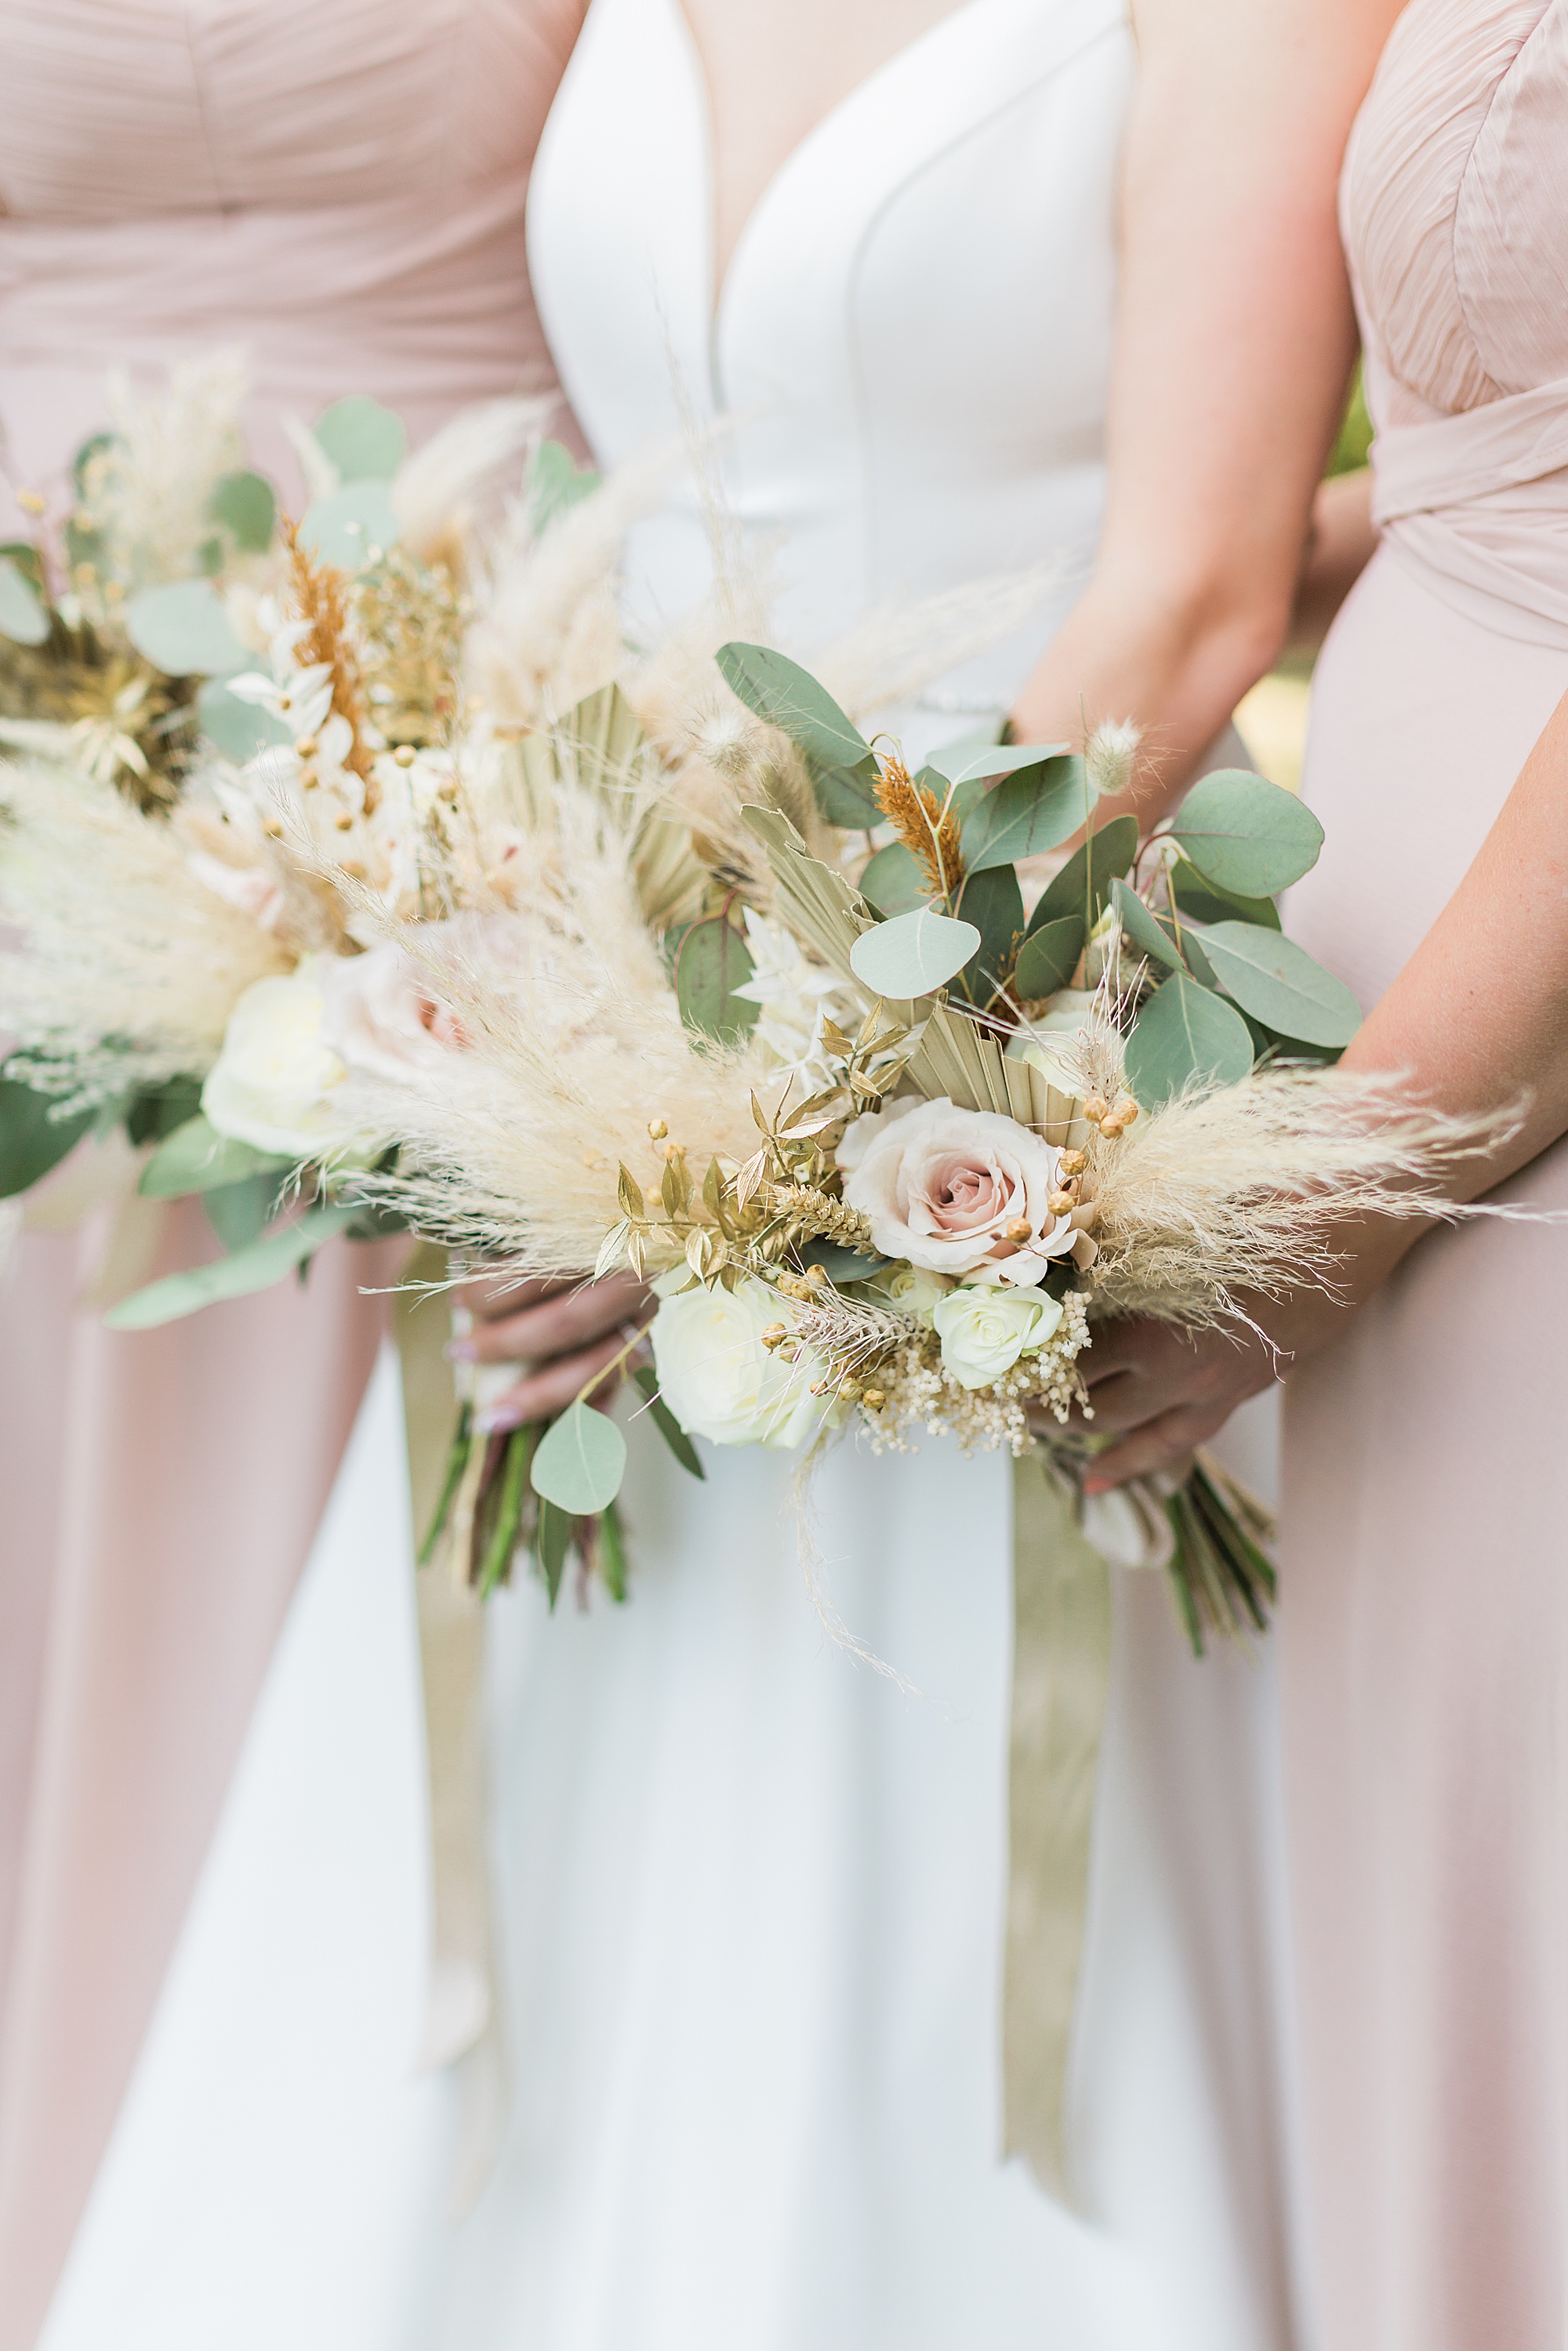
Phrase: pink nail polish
pixel 1097 1486
pixel 499 1418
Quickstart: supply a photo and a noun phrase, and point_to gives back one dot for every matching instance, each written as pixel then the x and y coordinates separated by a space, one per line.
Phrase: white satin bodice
pixel 939 249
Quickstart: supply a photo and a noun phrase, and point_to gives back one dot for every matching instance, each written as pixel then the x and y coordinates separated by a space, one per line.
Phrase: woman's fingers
pixel 554 1386
pixel 1153 1446
pixel 560 1319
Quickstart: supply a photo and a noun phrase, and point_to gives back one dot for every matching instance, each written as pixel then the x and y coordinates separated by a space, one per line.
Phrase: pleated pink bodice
pixel 338 185
pixel 1424 1620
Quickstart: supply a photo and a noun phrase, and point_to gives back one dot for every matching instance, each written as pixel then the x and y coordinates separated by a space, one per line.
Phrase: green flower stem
pixel 457 1462
pixel 508 1516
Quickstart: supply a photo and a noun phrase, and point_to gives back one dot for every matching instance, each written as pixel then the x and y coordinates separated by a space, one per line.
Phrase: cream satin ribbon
pixel 1061 1676
pixel 462 2027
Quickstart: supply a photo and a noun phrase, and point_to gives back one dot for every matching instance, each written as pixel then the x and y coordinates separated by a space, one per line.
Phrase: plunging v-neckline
pixel 899 59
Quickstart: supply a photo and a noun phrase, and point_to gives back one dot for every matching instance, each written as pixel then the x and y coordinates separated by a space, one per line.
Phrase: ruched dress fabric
pixel 750 1892
pixel 1424 1616
pixel 340 186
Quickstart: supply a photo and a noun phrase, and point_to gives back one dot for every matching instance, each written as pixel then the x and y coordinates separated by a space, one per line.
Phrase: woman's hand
pixel 563 1331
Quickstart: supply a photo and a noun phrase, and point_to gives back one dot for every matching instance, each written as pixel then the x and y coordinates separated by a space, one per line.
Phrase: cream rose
pixel 381 1018
pixel 984 1331
pixel 953 1190
pixel 275 1082
pixel 721 1381
pixel 909 1290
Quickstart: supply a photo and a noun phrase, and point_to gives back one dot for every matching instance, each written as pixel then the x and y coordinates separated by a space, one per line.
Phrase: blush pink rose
pixel 940 1186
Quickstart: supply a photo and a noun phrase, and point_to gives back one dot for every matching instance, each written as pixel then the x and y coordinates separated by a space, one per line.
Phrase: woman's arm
pixel 1235 338
pixel 1477 1023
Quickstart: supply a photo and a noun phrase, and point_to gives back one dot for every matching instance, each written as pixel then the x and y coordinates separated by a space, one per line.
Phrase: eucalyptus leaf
pixel 353 526
pixel 556 483
pixel 31 1141
pixel 156 1110
pixel 912 953
pixel 993 902
pixel 844 1265
pixel 1281 984
pixel 846 796
pixel 1048 957
pixel 581 1461
pixel 197 1158
pixel 244 505
pixel 366 441
pixel 1204 903
pixel 27 558
pixel 1100 861
pixel 238 729
pixel 892 881
pixel 240 1276
pixel 712 960
pixel 1246 834
pixel 182 628
pixel 1184 1034
pixel 1033 810
pixel 1147 935
pixel 1005 759
pixel 90 449
pixel 239 1213
pixel 647 1382
pixel 23 618
pixel 790 697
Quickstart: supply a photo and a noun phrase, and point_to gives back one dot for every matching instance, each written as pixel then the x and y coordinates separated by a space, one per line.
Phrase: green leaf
pixel 238 729
pixel 1246 834
pixel 912 953
pixel 787 696
pixel 1048 957
pixel 182 628
pixel 1099 861
pixel 1204 903
pixel 157 1111
pixel 893 881
pixel 1005 759
pixel 85 455
pixel 240 1276
pixel 993 902
pixel 581 1461
pixel 613 1561
pixel 842 1265
pixel 244 505
pixel 352 526
pixel 557 483
pixel 197 1158
pixel 1148 938
pixel 712 960
pixel 31 1142
pixel 1281 984
pixel 1184 1033
pixel 366 441
pixel 23 618
pixel 27 560
pixel 1034 810
pixel 240 1213
pixel 557 1530
pixel 665 1421
pixel 846 796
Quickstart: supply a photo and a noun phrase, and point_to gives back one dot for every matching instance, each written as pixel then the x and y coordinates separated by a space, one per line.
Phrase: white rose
pixel 948 1189
pixel 909 1290
pixel 274 1081
pixel 382 1017
pixel 984 1332
pixel 721 1381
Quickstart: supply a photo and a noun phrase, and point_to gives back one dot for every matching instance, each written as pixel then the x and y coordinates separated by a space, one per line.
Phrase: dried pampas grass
pixel 148 488
pixel 129 965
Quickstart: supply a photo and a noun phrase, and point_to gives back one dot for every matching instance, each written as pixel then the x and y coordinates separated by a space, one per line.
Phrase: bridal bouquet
pixel 800 1036
pixel 219 730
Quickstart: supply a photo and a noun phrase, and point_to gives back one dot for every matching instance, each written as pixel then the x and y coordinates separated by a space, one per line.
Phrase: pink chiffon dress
pixel 340 186
pixel 1424 1621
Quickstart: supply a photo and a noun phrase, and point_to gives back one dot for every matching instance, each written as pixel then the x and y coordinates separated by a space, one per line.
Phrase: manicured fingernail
pixel 1097 1485
pixel 462 1351
pixel 496 1419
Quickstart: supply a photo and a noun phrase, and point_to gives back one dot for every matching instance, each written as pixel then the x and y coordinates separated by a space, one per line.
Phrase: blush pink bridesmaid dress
pixel 1425 1614
pixel 338 184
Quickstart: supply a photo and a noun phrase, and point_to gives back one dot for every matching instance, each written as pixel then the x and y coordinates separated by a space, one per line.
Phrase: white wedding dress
pixel 749 1890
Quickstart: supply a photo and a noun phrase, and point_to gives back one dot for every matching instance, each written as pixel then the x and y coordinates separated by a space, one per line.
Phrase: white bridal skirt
pixel 749 1895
